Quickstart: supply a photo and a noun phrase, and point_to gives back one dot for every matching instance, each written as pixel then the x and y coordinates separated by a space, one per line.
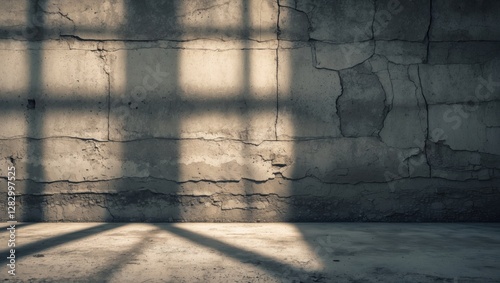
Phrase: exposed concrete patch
pixel 461 165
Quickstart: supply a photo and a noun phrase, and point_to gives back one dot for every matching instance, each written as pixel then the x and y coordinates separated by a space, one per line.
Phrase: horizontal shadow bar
pixel 122 33
pixel 83 102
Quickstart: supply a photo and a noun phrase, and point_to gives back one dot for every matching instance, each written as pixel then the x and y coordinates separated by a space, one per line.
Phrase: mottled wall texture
pixel 263 110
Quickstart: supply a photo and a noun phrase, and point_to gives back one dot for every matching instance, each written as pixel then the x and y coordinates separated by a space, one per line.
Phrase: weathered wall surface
pixel 371 110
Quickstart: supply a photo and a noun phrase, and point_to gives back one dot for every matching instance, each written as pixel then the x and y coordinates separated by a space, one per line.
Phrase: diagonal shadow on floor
pixel 262 262
pixel 52 242
pixel 106 274
pixel 18 225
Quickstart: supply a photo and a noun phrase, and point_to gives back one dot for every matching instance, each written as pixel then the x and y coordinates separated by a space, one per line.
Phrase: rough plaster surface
pixel 465 20
pixel 251 110
pixel 401 20
pixel 188 92
pixel 69 90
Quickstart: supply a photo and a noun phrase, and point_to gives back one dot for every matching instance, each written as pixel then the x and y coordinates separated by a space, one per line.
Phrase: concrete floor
pixel 270 252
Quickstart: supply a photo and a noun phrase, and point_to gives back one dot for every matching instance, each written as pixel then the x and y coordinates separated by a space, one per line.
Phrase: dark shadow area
pixel 136 65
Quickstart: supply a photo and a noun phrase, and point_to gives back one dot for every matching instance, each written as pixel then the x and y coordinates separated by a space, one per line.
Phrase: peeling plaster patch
pixel 361 106
pixel 412 200
pixel 342 56
pixel 464 129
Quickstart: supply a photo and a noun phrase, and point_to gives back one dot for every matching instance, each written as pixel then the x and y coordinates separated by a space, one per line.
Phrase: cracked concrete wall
pixel 296 110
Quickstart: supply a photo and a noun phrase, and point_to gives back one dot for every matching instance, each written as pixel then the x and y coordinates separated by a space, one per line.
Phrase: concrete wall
pixel 305 110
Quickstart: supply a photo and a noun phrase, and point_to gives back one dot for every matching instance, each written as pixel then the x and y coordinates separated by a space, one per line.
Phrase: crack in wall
pixel 428 127
pixel 102 54
pixel 337 104
pixel 428 34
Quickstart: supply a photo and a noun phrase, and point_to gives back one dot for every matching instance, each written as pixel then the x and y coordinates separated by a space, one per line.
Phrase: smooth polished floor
pixel 252 252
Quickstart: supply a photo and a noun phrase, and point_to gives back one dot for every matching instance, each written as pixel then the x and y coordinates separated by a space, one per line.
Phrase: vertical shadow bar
pixel 146 205
pixel 33 209
pixel 246 116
